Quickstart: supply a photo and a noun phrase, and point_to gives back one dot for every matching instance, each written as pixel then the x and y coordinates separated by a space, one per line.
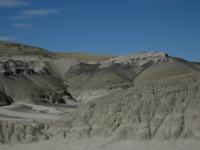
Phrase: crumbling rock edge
pixel 19 132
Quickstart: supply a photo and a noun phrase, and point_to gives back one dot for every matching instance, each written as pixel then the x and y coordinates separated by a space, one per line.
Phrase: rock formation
pixel 4 99
pixel 136 97
pixel 166 109
pixel 29 77
pixel 90 81
pixel 18 132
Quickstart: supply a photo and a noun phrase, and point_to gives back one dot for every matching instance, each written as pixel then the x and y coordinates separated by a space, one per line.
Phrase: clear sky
pixel 113 27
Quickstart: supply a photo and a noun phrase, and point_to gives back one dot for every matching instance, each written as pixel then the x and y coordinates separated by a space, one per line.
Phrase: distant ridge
pixel 18 49
pixel 83 56
pixel 11 49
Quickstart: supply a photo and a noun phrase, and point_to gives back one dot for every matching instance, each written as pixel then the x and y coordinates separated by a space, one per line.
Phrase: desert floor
pixel 59 143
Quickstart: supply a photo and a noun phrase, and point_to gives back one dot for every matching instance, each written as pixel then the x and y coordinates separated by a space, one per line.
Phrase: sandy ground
pixel 31 112
pixel 61 144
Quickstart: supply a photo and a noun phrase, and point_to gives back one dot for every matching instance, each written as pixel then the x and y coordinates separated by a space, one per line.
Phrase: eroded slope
pixel 88 81
pixel 29 81
pixel 163 109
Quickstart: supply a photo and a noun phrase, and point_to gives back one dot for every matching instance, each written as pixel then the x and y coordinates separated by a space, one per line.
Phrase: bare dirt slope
pixel 162 109
pixel 89 81
pixel 100 144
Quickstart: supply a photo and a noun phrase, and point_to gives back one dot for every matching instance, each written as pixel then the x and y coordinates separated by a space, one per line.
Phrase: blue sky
pixel 115 27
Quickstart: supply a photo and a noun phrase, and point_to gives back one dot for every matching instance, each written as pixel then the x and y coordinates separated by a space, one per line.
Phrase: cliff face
pixel 18 132
pixel 138 59
pixel 5 100
pixel 14 67
pixel 28 81
pixel 164 109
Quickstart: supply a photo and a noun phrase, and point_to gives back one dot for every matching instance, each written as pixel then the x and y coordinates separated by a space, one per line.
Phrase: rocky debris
pixel 137 59
pixel 89 95
pixel 18 132
pixel 165 109
pixel 17 67
pixel 61 96
pixel 4 99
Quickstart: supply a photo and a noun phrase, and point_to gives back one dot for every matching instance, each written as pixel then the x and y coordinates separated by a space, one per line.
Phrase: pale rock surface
pixel 163 109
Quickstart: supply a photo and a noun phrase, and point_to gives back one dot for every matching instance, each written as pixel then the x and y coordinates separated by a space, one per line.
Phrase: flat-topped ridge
pixel 138 59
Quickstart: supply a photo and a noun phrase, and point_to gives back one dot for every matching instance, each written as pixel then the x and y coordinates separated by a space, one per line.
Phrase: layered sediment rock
pixel 111 75
pixel 164 109
pixel 29 81
pixel 137 59
pixel 18 132
pixel 129 97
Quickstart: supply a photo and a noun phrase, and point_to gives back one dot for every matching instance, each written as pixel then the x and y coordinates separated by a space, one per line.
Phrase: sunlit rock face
pixel 148 96
pixel 137 59
pixel 165 109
